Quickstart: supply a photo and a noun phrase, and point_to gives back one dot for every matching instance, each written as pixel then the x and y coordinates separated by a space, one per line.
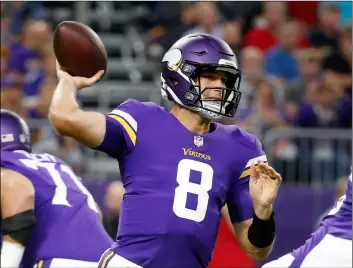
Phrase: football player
pixel 48 218
pixel 331 244
pixel 179 168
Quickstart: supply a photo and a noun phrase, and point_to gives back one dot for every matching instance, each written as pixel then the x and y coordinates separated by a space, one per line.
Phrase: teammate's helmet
pixel 15 133
pixel 181 68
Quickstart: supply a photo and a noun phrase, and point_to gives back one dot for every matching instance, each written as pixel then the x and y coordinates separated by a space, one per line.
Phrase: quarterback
pixel 179 168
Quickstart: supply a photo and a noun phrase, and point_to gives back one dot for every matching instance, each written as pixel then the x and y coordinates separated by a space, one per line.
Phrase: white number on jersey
pixel 185 186
pixel 60 195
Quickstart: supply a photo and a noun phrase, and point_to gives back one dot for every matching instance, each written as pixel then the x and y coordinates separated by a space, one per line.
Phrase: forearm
pixel 88 128
pixel 256 236
pixel 255 252
pixel 63 107
pixel 261 232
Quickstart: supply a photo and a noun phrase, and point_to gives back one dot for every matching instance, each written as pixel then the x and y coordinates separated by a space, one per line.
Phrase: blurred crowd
pixel 28 75
pixel 295 57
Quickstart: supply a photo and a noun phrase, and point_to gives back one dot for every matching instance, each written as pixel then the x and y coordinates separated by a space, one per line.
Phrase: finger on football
pixel 97 76
pixel 94 78
pixel 58 65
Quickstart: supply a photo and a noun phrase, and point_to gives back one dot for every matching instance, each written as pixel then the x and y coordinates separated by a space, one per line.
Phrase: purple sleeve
pixel 239 202
pixel 121 129
pixel 240 205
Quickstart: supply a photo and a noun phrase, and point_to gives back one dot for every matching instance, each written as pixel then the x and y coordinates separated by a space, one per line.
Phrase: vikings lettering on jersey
pixel 67 221
pixel 176 183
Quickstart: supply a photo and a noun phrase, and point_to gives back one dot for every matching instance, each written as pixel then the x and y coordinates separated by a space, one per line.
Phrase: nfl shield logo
pixel 198 141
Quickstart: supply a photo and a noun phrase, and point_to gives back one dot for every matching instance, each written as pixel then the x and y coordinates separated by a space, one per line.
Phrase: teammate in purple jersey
pixel 48 218
pixel 331 244
pixel 179 168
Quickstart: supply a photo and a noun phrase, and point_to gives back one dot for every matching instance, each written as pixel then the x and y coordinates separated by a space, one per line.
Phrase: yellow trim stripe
pixel 106 259
pixel 247 173
pixel 126 126
pixel 40 264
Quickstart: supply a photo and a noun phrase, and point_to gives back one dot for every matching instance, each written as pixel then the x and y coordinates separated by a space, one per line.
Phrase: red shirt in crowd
pixel 264 39
pixel 228 253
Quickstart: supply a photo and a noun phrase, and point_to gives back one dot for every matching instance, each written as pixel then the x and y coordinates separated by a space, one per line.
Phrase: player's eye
pixel 224 79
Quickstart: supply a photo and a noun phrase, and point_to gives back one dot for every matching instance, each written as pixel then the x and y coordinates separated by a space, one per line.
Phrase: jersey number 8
pixel 185 167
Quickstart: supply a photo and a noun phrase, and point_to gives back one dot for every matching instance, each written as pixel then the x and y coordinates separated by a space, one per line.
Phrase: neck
pixel 191 120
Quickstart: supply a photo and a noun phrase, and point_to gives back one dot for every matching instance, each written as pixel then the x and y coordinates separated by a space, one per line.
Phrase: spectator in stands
pixel 320 113
pixel 207 20
pixel 266 111
pixel 281 61
pixel 232 34
pixel 252 66
pixel 336 79
pixel 6 38
pixel 345 8
pixel 326 34
pixel 112 200
pixel 162 37
pixel 240 11
pixel 263 34
pixel 24 74
pixel 22 12
pixel 340 62
pixel 310 69
pixel 304 12
pixel 269 107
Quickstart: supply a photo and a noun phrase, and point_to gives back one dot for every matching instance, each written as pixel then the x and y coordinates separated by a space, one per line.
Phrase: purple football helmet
pixel 15 133
pixel 181 68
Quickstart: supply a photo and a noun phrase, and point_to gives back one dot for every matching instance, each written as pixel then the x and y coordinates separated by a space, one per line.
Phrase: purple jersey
pixel 176 182
pixel 337 223
pixel 67 221
pixel 339 220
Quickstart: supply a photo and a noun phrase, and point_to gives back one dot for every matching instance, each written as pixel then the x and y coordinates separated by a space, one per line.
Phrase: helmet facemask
pixel 215 108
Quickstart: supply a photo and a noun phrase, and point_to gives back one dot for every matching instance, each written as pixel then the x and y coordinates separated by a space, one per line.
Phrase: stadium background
pixel 296 59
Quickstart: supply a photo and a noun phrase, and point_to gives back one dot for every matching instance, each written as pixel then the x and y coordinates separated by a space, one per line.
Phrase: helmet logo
pixel 187 68
pixel 7 138
pixel 173 58
pixel 198 141
pixel 189 96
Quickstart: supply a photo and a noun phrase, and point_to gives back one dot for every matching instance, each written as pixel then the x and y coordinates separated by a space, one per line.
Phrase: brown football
pixel 78 49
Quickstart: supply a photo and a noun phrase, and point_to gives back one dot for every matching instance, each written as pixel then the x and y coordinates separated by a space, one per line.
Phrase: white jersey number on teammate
pixel 60 196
